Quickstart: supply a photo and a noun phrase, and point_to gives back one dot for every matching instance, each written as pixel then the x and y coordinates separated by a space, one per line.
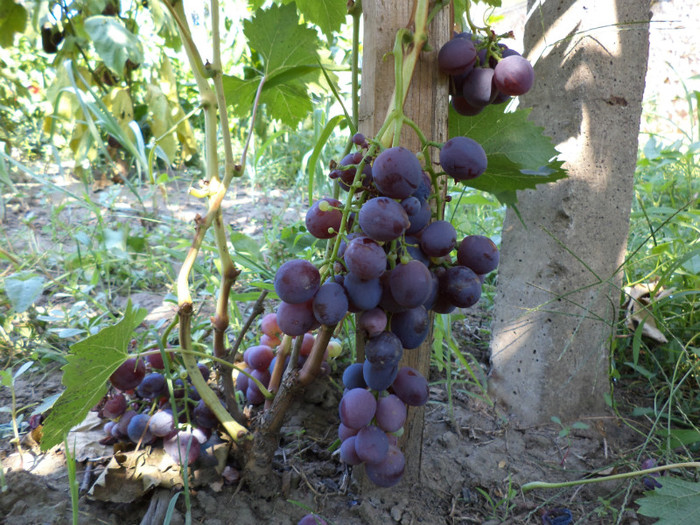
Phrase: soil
pixel 472 456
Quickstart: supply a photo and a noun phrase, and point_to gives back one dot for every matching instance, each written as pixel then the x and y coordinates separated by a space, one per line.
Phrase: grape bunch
pixel 139 409
pixel 483 72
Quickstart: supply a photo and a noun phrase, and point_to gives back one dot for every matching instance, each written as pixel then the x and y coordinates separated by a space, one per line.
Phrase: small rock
pixel 449 440
pixel 396 513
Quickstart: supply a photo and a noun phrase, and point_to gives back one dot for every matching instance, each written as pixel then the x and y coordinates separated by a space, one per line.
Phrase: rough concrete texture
pixel 559 279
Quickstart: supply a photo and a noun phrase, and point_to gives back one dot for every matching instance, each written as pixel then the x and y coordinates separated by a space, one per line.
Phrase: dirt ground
pixel 472 455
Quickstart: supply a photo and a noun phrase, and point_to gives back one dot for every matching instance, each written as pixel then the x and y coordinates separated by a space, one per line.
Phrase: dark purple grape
pixel 463 158
pixel 253 394
pixel 359 139
pixel 420 220
pixel 352 377
pixel 204 370
pixel 410 283
pixel 258 356
pixel 365 258
pixel 347 176
pixel 324 217
pixel 129 374
pixel 397 173
pixel 312 519
pixel 346 432
pixel 438 239
pixel 357 408
pixel 411 205
pixel 387 302
pixel 156 360
pixel 114 407
pixel 477 88
pixel 412 249
pixel 478 253
pixel 242 380
pixel 297 281
pixel 513 75
pixel 411 387
pixel 411 326
pixel 383 219
pixel 152 386
pixel 296 319
pixel 362 295
pixel 203 416
pixel 379 377
pixel 261 375
pixel 425 189
pixel 137 429
pixel 384 350
pixel 461 286
pixel 461 106
pixel 183 447
pixel 457 56
pixel 372 322
pixel 348 454
pixel 162 423
pixel 123 423
pixel 371 444
pixel 330 304
pixel 390 471
pixel 391 413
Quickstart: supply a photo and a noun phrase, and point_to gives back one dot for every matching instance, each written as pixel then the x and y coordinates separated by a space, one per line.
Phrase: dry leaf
pixel 638 309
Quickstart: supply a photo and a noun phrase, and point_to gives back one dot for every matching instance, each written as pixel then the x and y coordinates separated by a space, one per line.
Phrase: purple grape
pixel 457 56
pixel 478 253
pixel 461 286
pixel 204 370
pixel 410 283
pixel 203 416
pixel 312 519
pixel 463 158
pixel 461 106
pixel 162 423
pixel 390 471
pixel 137 429
pixel 114 407
pixel 297 281
pixel 330 304
pixel 242 380
pixel 383 350
pixel 372 322
pixel 411 326
pixel 362 295
pixel 371 444
pixel 438 239
pixel 359 139
pixel 357 408
pixel 182 446
pixel 324 224
pixel 513 75
pixel 411 205
pixel 411 387
pixel 391 413
pixel 477 88
pixel 348 454
pixel 420 220
pixel 365 258
pixel 346 432
pixel 152 386
pixel 352 377
pixel 129 374
pixel 296 319
pixel 383 219
pixel 379 377
pixel 258 357
pixel 397 173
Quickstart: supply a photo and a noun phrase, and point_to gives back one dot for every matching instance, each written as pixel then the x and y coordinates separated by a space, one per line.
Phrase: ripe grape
pixel 371 444
pixel 513 75
pixel 137 429
pixel 463 158
pixel 363 295
pixel 384 350
pixel 123 423
pixel 411 326
pixel 411 387
pixel 391 413
pixel 389 472
pixel 383 219
pixel 114 407
pixel 478 253
pixel 461 286
pixel 348 454
pixel 379 377
pixel 312 519
pixel 270 341
pixel 307 343
pixel 242 380
pixel 152 386
pixel 296 281
pixel 461 106
pixel 346 432
pixel 411 205
pixel 438 239
pixel 258 357
pixel 330 304
pixel 457 56
pixel 420 220
pixel 203 416
pixel 162 423
pixel 477 88
pixel 365 258
pixel 352 377
pixel 183 447
pixel 397 173
pixel 373 322
pixel 268 325
pixel 357 408
pixel 324 217
pixel 129 374
pixel 410 283
pixel 296 319
pixel 347 176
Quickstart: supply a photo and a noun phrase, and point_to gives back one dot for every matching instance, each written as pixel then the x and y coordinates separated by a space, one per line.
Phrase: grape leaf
pixel 326 14
pixel 519 155
pixel 23 289
pixel 13 19
pixel 113 42
pixel 86 373
pixel 677 502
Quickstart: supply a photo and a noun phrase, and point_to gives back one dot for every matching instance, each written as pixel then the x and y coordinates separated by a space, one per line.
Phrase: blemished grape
pixel 383 219
pixel 137 429
pixel 162 423
pixel 324 217
pixel 357 408
pixel 457 56
pixel 461 286
pixel 478 253
pixel 296 319
pixel 461 106
pixel 152 386
pixel 390 471
pixel 183 447
pixel 352 377
pixel 411 205
pixel 296 281
pixel 348 454
pixel 411 387
pixel 330 304
pixel 410 283
pixel 114 407
pixel 391 413
pixel 477 88
pixel 463 158
pixel 397 173
pixel 371 444
pixel 513 75
pixel 438 239
pixel 365 258
pixel 312 519
pixel 372 322
pixel 268 325
pixel 411 326
pixel 203 416
pixel 379 377
pixel 384 350
pixel 129 374
pixel 258 356
pixel 363 295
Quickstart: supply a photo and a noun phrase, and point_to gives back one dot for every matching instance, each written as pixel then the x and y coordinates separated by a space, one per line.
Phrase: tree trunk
pixel 559 281
pixel 427 105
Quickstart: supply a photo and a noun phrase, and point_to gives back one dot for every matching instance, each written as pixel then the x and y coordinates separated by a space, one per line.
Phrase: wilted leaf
pixel 84 439
pixel 23 289
pixel 677 502
pixel 113 42
pixel 118 102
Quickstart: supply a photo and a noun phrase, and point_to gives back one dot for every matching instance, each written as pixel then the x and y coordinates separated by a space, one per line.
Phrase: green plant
pixel 8 379
pixel 502 505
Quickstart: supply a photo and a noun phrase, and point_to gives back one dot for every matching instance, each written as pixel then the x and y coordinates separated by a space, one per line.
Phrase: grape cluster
pixel 483 73
pixel 139 408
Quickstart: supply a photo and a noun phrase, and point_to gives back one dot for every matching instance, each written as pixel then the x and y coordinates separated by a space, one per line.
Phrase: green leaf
pixel 329 15
pixel 86 373
pixel 519 155
pixel 113 42
pixel 288 103
pixel 677 502
pixel 13 19
pixel 23 289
